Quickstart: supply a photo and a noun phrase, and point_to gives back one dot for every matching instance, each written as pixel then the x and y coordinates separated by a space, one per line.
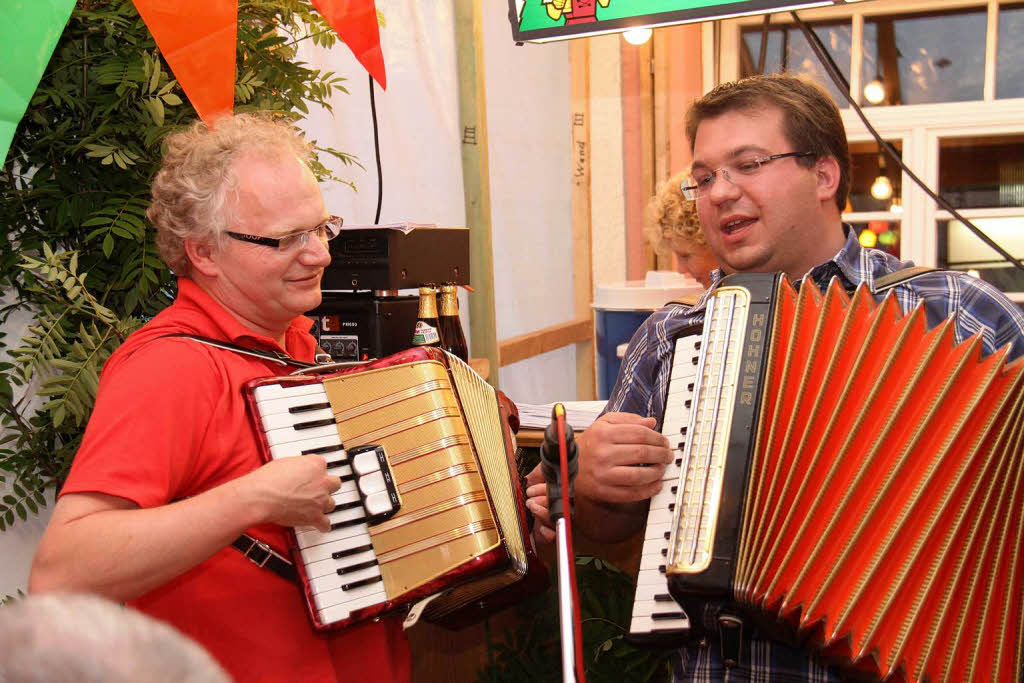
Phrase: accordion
pixel 431 502
pixel 846 479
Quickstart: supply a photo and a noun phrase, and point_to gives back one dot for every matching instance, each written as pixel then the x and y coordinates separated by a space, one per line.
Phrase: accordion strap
pixel 898 277
pixel 275 356
pixel 262 555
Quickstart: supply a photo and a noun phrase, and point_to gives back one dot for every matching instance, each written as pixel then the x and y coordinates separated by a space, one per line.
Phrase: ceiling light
pixel 637 36
pixel 874 92
pixel 881 188
pixel 896 206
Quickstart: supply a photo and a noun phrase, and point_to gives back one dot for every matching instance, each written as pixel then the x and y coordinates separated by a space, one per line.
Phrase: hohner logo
pixel 752 359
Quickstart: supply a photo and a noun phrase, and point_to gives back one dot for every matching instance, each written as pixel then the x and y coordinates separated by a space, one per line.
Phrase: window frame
pixel 921 127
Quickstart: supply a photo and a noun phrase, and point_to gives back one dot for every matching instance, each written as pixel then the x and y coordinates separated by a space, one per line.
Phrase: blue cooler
pixel 620 309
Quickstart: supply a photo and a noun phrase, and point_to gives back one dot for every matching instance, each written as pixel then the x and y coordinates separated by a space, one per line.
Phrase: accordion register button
pixel 372 483
pixel 365 463
pixel 378 503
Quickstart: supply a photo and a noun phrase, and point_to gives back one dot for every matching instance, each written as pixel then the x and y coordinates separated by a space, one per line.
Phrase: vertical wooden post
pixel 637 152
pixel 583 288
pixel 476 180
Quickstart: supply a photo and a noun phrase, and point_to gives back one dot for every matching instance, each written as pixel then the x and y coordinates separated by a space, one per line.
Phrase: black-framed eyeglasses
pixel 296 241
pixel 700 183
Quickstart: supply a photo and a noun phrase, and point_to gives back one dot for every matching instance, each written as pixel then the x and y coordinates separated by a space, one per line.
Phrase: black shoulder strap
pixel 898 277
pixel 275 356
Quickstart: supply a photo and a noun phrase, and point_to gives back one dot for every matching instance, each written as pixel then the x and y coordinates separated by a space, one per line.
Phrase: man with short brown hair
pixel 770 177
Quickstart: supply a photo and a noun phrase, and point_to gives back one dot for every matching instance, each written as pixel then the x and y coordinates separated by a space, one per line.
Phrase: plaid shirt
pixel 642 383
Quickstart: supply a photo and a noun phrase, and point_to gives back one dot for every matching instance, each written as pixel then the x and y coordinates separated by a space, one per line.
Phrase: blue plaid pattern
pixel 641 386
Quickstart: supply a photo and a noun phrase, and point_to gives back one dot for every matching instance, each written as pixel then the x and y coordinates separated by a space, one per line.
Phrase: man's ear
pixel 827 176
pixel 201 255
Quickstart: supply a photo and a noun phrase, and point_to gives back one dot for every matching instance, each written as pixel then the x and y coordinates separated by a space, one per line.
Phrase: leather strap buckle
pixel 267 551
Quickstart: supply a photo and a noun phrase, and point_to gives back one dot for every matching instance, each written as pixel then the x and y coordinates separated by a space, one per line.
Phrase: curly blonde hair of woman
pixel 191 192
pixel 671 216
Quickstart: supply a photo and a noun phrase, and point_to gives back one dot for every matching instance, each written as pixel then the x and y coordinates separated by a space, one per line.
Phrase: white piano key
pixel 293 448
pixel 657 530
pixel 329 615
pixel 334 580
pixel 347 598
pixel 304 539
pixel 289 434
pixel 290 420
pixel 286 404
pixel 647 625
pixel 269 392
pixel 330 565
pixel 647 592
pixel 651 562
pixel 365 463
pixel 652 577
pixel 325 551
pixel 340 470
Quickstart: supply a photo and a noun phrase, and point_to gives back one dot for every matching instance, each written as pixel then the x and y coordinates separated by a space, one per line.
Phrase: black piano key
pixel 668 535
pixel 689 387
pixel 308 408
pixel 348 523
pixel 315 423
pixel 696 347
pixel 688 403
pixel 323 449
pixel 663 597
pixel 671 507
pixel 679 461
pixel 675 489
pixel 661 568
pixel 695 360
pixel 351 551
pixel 348 506
pixel 359 584
pixel 664 552
pixel 357 567
pixel 337 463
pixel 680 445
pixel 682 430
pixel 664 616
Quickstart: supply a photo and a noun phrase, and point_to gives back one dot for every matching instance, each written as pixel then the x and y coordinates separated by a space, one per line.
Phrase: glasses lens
pixel 690 188
pixel 333 227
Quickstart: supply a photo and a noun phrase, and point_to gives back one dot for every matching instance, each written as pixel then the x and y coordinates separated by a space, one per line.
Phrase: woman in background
pixel 674 228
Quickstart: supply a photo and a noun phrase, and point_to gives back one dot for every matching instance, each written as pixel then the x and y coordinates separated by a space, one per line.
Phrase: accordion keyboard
pixel 340 564
pixel 655 612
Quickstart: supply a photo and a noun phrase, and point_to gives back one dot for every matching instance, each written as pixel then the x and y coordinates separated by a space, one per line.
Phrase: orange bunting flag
pixel 355 21
pixel 197 38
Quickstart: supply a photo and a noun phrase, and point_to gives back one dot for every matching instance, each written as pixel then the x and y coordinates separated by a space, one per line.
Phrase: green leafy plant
pixel 79 261
pixel 531 651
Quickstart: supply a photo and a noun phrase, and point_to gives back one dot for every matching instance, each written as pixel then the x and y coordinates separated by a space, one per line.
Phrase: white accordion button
pixel 365 463
pixel 372 483
pixel 378 503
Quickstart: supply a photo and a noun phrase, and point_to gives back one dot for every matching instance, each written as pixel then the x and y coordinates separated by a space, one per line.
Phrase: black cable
pixel 376 151
pixel 837 77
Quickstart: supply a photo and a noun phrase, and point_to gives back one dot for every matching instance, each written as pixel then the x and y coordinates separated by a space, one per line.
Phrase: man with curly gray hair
pixel 168 497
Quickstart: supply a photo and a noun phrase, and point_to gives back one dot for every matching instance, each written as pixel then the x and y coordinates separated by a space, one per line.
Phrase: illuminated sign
pixel 543 20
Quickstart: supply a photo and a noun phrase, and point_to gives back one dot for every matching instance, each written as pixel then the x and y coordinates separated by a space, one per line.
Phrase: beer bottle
pixel 428 331
pixel 453 340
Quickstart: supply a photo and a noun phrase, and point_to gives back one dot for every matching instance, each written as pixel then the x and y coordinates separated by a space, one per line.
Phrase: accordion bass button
pixel 378 503
pixel 365 463
pixel 372 483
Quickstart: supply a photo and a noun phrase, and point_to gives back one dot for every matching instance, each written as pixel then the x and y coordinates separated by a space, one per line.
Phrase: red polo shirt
pixel 170 421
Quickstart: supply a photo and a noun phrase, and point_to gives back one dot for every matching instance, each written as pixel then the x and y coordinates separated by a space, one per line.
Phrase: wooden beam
pixel 515 349
pixel 476 179
pixel 582 261
pixel 637 152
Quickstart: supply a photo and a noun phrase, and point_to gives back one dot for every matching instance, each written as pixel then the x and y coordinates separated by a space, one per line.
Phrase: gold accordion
pixel 854 482
pixel 431 502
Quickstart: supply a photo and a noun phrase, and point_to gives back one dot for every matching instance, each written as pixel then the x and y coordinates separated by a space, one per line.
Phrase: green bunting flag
pixel 28 34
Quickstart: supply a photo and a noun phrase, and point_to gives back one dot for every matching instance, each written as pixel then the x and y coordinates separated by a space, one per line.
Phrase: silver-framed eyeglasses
pixel 296 241
pixel 699 183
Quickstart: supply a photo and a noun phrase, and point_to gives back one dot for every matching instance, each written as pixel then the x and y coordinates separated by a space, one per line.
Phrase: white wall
pixel 528 122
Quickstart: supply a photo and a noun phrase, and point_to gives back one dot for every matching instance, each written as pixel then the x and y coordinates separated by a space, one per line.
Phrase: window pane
pixel 867 192
pixel 884 235
pixel 788 50
pixel 928 57
pixel 982 172
pixel 961 249
pixel 1010 61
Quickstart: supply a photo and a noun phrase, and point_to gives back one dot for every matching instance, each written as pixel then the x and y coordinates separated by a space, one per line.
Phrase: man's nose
pixel 315 253
pixel 723 189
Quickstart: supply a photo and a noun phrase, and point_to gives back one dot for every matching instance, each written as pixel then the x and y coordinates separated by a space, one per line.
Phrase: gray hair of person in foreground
pixel 65 638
